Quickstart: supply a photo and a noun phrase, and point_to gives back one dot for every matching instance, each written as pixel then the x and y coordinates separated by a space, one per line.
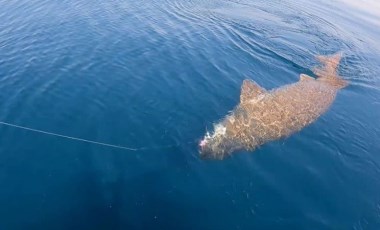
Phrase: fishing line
pixel 88 141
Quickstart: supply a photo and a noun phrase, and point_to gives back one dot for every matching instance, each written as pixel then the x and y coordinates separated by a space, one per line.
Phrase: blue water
pixel 156 74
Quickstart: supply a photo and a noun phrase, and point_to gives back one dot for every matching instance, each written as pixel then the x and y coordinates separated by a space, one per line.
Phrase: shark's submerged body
pixel 263 116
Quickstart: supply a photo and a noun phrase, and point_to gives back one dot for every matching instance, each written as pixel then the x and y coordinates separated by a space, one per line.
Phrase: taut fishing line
pixel 88 141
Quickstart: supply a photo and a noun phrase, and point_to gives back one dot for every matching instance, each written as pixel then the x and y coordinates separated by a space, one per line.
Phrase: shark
pixel 267 115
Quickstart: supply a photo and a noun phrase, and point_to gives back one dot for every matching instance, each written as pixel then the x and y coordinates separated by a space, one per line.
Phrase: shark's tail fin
pixel 328 72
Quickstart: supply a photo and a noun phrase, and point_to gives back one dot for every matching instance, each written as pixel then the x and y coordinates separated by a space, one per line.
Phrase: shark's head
pixel 229 135
pixel 212 145
pixel 218 144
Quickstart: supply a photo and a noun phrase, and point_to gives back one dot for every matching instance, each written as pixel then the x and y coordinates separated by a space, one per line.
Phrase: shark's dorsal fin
pixel 329 65
pixel 305 77
pixel 328 71
pixel 330 62
pixel 250 90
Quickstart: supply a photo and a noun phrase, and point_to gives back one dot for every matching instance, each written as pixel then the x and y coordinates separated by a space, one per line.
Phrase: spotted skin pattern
pixel 264 116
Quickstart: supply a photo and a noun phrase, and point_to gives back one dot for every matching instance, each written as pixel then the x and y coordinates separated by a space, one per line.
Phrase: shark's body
pixel 264 116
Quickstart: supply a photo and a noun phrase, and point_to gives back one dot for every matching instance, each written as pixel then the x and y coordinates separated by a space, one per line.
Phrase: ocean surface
pixel 153 75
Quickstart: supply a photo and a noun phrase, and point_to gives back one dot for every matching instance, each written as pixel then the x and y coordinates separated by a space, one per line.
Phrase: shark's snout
pixel 212 149
pixel 202 143
pixel 204 149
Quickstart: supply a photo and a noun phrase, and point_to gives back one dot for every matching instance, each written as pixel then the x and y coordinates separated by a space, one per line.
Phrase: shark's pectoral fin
pixel 305 77
pixel 250 90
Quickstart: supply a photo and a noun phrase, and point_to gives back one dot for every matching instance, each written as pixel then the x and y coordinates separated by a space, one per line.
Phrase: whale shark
pixel 267 115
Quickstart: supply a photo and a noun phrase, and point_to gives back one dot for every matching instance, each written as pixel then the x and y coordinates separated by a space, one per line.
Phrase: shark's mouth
pixel 205 140
pixel 219 131
pixel 202 143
